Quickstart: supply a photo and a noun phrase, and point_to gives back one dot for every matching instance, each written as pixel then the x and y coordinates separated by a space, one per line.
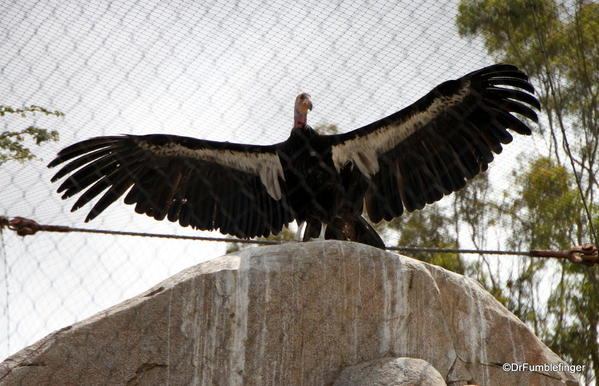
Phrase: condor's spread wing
pixel 209 185
pixel 429 149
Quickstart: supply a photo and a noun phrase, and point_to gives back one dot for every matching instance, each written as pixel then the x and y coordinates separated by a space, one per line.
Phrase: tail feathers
pixel 355 228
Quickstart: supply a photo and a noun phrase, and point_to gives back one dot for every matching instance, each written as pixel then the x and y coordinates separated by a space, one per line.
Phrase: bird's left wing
pixel 429 149
pixel 206 184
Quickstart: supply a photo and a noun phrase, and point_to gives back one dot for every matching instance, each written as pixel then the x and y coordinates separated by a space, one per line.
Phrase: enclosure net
pixel 230 71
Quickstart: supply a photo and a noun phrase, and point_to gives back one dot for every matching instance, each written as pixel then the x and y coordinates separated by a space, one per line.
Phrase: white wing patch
pixel 364 151
pixel 265 165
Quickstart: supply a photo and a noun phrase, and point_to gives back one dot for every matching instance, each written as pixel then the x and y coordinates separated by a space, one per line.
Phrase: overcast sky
pixel 212 69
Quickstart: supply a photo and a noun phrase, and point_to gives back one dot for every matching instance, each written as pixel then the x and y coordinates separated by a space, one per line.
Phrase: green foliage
pixel 12 146
pixel 4 110
pixel 471 205
pixel 427 228
pixel 545 207
pixel 579 62
pixel 511 29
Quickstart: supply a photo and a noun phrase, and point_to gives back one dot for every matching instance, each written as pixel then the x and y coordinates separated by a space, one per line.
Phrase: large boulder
pixel 297 313
pixel 391 372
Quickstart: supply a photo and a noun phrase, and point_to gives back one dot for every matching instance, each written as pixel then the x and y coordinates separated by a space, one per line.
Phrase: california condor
pixel 404 161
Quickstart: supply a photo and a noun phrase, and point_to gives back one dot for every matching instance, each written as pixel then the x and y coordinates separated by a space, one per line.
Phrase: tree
pixel 554 204
pixel 12 142
pixel 558 46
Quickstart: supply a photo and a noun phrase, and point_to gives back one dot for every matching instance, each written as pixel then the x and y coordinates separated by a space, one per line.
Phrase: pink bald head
pixel 303 103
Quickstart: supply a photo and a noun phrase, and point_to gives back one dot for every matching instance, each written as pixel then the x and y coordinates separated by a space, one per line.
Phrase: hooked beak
pixel 306 104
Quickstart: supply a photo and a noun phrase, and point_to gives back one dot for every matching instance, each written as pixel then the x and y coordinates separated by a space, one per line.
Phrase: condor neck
pixel 300 119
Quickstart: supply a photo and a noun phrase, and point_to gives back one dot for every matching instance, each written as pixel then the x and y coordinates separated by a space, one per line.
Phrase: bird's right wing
pixel 206 184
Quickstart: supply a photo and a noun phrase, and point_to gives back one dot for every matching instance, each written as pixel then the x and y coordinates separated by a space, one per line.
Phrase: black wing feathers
pixel 455 145
pixel 411 158
pixel 198 193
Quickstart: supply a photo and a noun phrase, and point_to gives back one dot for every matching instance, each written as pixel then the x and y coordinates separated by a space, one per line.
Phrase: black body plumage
pixel 402 162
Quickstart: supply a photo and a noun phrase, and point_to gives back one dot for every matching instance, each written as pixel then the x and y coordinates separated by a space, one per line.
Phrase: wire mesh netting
pixel 230 71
